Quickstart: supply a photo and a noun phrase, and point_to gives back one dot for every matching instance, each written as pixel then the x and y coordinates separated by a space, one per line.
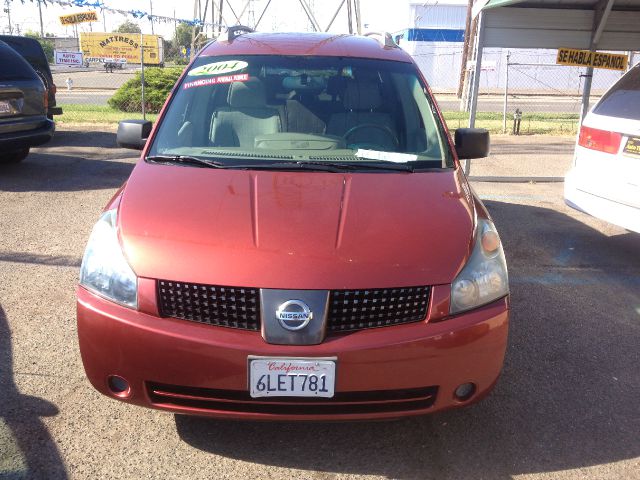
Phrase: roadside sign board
pixel 586 58
pixel 72 59
pixel 118 47
pixel 80 17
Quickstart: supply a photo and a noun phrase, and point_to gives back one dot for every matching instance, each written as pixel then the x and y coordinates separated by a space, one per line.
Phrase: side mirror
pixel 472 143
pixel 133 133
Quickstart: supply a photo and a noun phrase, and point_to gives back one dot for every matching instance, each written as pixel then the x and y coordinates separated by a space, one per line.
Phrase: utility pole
pixel 192 53
pixel 220 17
pixel 356 5
pixel 175 26
pixel 151 17
pixel 465 49
pixel 144 112
pixel 41 25
pixel 213 19
pixel 251 21
pixel 7 10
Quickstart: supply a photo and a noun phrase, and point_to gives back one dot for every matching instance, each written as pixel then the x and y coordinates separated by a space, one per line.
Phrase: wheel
pixel 15 156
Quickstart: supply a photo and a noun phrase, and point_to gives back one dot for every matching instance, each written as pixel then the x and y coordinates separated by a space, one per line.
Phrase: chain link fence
pixel 108 93
pixel 547 97
pixel 522 95
pixel 105 90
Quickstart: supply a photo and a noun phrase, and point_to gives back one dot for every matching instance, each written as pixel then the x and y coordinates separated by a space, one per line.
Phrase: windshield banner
pixel 241 77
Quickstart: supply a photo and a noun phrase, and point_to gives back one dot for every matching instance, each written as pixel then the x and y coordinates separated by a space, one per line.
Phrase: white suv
pixel 605 179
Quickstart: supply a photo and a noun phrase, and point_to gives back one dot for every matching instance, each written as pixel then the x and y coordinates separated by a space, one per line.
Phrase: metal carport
pixel 580 24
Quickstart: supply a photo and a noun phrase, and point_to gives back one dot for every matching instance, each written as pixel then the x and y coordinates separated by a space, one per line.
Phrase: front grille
pixel 239 307
pixel 359 309
pixel 206 399
pixel 234 307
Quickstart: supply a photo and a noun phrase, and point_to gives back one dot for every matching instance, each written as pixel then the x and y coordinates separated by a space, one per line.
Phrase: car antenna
pixel 237 30
pixel 388 39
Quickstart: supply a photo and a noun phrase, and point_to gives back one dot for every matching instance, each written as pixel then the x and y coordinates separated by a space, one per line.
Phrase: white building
pixel 435 40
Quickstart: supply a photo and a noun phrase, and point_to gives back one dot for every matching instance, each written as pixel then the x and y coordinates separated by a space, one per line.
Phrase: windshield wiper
pixel 185 160
pixel 326 166
pixel 302 165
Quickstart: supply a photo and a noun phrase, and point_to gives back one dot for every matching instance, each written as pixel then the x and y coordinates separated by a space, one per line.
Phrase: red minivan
pixel 297 242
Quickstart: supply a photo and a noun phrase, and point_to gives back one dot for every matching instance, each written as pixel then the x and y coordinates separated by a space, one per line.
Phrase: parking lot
pixel 565 407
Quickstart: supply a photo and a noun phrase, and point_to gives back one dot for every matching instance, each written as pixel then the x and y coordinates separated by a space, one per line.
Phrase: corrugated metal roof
pixel 576 4
pixel 558 23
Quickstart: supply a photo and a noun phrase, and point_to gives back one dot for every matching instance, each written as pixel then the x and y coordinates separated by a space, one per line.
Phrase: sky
pixel 281 15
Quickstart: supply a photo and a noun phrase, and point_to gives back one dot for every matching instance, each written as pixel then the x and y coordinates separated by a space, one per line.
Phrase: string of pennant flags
pixel 138 14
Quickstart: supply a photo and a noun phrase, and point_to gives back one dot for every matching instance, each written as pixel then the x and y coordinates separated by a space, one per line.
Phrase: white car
pixel 605 179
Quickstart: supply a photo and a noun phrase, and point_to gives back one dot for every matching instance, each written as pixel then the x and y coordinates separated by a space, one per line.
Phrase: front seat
pixel 246 116
pixel 360 100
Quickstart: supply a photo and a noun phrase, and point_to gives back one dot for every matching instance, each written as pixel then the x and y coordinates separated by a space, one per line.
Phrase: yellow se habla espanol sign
pixel 586 58
pixel 80 17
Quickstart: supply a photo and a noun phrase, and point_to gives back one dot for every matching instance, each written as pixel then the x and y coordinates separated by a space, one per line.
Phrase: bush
pixel 158 83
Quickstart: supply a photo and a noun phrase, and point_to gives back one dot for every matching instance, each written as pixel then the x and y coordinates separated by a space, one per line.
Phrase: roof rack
pixel 237 30
pixel 388 39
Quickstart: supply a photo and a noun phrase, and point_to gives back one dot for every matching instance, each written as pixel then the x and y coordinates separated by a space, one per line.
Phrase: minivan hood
pixel 295 230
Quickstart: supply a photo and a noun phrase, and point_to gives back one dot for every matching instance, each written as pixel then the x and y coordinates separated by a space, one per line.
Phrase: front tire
pixel 15 156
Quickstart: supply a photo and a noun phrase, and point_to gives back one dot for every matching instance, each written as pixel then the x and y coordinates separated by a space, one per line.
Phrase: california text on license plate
pixel 292 377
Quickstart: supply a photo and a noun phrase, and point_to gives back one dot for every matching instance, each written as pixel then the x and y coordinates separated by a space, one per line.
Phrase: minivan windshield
pixel 277 109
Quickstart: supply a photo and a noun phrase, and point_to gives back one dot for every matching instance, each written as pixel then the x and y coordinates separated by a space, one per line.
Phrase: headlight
pixel 104 269
pixel 484 278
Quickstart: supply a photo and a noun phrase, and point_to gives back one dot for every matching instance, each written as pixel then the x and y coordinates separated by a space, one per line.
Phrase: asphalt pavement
pixel 566 406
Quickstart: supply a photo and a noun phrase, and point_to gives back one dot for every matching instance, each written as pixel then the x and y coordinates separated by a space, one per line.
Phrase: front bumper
pixel 37 133
pixel 192 368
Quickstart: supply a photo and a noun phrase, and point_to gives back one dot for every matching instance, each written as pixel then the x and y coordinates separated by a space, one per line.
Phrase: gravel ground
pixel 566 406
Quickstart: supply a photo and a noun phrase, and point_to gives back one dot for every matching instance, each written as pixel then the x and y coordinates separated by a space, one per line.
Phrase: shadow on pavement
pixel 50 260
pixel 87 137
pixel 71 162
pixel 568 396
pixel 26 447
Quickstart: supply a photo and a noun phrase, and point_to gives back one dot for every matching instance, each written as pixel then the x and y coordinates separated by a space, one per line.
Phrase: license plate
pixel 632 147
pixel 291 377
pixel 5 107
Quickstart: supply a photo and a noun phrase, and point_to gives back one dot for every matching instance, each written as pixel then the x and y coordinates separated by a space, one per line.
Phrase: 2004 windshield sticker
pixel 218 68
pixel 218 73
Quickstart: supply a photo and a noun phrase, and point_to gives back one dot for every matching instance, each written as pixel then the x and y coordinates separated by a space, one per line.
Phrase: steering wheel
pixel 383 128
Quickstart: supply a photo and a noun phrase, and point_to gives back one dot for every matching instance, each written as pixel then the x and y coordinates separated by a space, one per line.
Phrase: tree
pixel 128 27
pixel 182 37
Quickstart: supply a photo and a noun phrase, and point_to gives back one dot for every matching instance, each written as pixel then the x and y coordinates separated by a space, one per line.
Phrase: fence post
pixel 144 116
pixel 506 95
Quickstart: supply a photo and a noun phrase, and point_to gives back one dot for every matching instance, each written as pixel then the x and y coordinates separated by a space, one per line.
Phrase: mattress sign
pixel 218 68
pixel 587 58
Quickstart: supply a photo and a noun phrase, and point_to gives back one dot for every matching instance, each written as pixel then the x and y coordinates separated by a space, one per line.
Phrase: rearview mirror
pixel 472 143
pixel 133 133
